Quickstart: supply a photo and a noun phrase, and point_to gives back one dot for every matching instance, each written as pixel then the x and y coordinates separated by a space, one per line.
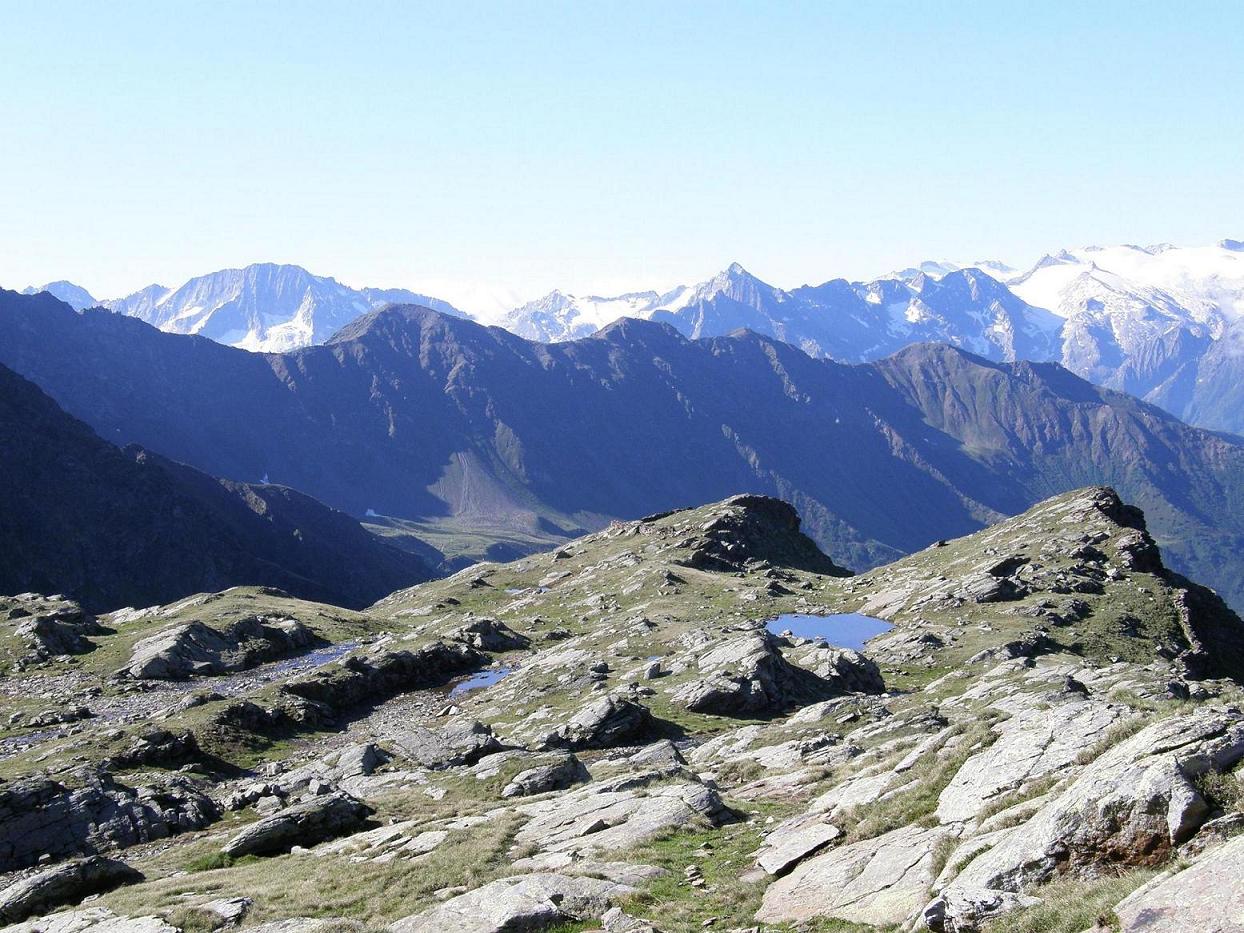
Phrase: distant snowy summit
pixel 262 307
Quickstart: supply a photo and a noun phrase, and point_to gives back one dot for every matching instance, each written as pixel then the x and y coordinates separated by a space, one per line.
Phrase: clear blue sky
pixel 596 146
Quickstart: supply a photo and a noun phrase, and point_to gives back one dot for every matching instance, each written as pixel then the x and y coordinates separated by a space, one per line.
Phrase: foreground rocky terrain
pixel 1046 737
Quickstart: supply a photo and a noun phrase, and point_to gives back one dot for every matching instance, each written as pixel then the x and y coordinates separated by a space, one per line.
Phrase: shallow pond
pixel 844 629
pixel 479 681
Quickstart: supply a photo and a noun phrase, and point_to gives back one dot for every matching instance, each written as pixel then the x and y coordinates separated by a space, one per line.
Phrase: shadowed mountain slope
pixel 411 413
pixel 113 527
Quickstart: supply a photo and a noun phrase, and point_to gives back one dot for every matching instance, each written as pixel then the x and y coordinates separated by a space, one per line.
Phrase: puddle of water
pixel 313 658
pixel 844 629
pixel 479 681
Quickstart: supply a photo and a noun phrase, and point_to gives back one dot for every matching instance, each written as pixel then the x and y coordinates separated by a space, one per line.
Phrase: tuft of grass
pixel 215 860
pixel 917 801
pixel 1117 733
pixel 1221 790
pixel 1072 906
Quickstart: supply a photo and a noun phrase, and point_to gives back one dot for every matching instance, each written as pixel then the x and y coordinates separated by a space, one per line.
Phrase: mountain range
pixel 1159 322
pixel 411 413
pixel 262 307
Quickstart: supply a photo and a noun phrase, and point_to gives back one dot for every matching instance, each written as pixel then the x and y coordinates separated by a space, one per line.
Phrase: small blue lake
pixel 844 629
pixel 479 681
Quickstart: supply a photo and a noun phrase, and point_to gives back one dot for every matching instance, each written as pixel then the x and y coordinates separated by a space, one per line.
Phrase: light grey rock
pixel 490 635
pixel 848 670
pixel 230 910
pixel 609 721
pixel 92 920
pixel 1132 806
pixel 879 881
pixel 524 902
pixel 794 840
pixel 63 885
pixel 1031 744
pixel 310 925
pixel 614 815
pixel 52 625
pixel 304 823
pixel 564 771
pixel 1207 896
pixel 965 910
pixel 461 742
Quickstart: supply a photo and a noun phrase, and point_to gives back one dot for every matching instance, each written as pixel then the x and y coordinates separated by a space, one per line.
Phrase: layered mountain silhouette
pixel 111 527
pixel 411 413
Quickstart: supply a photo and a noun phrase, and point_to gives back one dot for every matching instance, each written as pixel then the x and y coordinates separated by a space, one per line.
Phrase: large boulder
pixel 194 648
pixel 749 676
pixel 606 722
pixel 511 905
pixel 556 773
pixel 304 823
pixel 462 742
pixel 63 885
pixel 490 635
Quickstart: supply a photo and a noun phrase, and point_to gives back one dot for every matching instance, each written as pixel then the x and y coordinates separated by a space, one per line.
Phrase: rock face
pixel 42 817
pixel 749 675
pixel 878 881
pixel 304 823
pixel 65 884
pixel 194 648
pixel 608 721
pixel 1130 807
pixel 1208 896
pixel 525 902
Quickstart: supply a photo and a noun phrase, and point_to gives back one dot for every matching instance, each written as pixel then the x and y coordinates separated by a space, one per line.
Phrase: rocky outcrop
pixel 462 742
pixel 40 817
pixel 369 679
pixel 606 722
pixel 748 529
pixel 749 676
pixel 526 902
pixel 1130 807
pixel 559 773
pixel 1040 740
pixel 304 824
pixel 63 885
pixel 197 649
pixel 51 625
pixel 92 920
pixel 849 671
pixel 610 816
pixel 490 635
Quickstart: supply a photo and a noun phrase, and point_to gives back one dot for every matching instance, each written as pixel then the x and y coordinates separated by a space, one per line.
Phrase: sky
pixel 484 152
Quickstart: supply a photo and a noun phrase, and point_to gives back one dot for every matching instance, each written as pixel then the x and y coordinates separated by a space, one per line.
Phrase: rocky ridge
pixel 608 735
